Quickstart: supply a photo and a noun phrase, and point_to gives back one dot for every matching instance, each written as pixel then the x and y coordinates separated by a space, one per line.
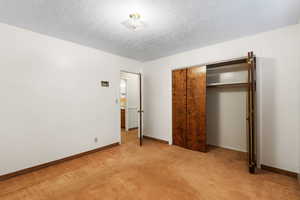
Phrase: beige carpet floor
pixel 152 172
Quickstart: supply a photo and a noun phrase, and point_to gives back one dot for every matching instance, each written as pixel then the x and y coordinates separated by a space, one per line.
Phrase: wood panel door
pixel 179 107
pixel 251 119
pixel 196 109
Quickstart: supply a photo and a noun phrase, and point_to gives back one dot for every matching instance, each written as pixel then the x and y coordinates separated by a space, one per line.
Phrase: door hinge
pixel 252 164
pixel 250 60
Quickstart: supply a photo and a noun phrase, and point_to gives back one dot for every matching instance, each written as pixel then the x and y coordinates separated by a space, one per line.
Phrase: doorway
pixel 130 108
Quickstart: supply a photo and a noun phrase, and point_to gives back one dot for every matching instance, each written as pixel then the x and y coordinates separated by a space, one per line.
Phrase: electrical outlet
pixel 95 139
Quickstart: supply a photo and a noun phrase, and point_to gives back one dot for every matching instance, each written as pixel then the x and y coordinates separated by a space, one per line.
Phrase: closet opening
pixel 214 106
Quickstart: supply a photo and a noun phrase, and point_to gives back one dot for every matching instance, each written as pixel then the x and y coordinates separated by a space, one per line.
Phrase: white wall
pixel 51 102
pixel 278 55
pixel 226 110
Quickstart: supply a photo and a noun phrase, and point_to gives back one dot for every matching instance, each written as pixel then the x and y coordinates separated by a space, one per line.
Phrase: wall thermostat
pixel 105 83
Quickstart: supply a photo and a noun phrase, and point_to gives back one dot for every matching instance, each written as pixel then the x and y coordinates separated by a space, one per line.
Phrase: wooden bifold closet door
pixel 179 110
pixel 251 121
pixel 189 103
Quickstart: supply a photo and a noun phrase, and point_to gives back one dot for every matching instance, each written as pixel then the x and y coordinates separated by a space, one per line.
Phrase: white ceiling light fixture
pixel 134 22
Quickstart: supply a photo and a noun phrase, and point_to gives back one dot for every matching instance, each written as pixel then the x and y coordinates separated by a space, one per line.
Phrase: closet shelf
pixel 232 84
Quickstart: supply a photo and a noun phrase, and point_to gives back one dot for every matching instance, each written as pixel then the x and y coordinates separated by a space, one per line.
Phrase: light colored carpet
pixel 152 172
pixel 129 137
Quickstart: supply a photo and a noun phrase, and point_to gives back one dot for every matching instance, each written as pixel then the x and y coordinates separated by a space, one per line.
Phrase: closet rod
pixel 228 85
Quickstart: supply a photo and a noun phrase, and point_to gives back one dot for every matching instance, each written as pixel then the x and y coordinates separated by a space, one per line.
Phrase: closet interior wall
pixel 226 108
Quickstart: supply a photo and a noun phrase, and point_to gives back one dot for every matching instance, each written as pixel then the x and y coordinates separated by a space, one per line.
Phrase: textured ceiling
pixel 173 26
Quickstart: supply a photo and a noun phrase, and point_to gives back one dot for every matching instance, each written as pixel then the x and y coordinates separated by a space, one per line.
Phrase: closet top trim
pixel 219 63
